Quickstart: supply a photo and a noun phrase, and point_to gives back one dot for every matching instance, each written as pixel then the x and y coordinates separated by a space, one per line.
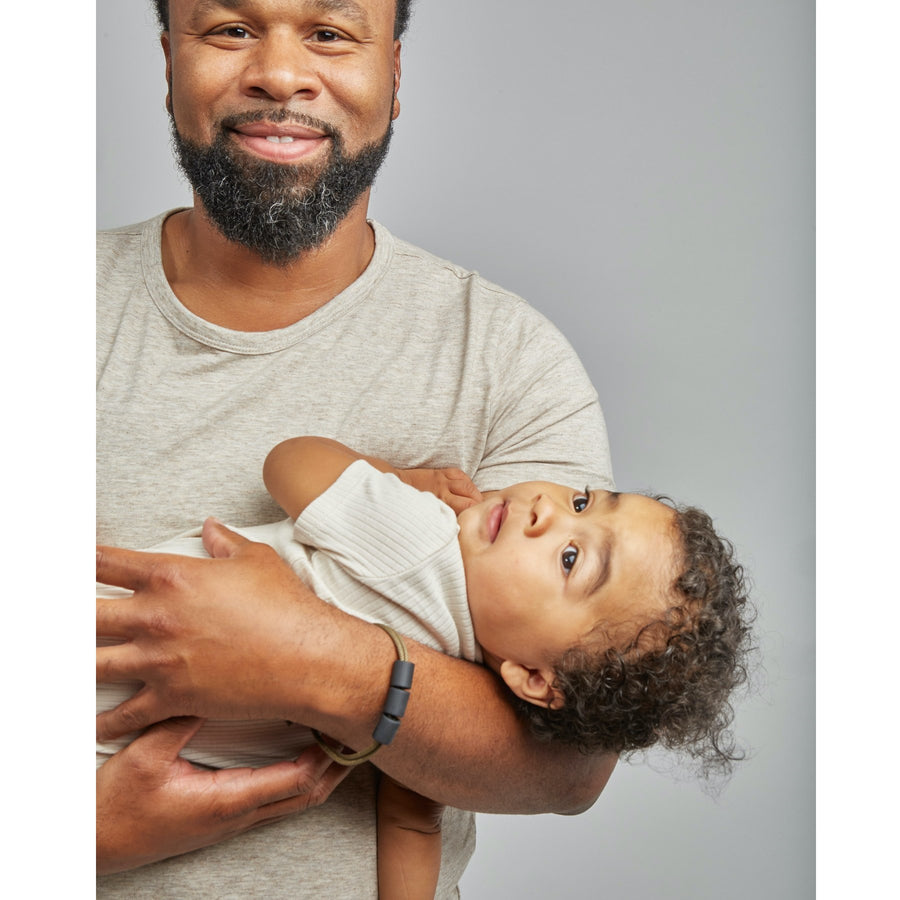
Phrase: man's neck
pixel 229 285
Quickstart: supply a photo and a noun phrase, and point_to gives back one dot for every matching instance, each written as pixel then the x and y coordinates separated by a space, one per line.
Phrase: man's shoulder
pixel 134 228
pixel 433 276
pixel 123 251
pixel 112 239
pixel 126 257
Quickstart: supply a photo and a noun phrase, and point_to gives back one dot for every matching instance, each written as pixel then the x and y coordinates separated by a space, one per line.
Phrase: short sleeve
pixel 376 526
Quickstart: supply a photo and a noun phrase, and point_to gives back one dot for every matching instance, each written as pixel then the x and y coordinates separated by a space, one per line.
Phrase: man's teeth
pixel 275 139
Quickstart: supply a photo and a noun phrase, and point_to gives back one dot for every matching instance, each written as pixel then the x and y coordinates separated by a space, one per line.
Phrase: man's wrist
pixel 395 703
pixel 330 684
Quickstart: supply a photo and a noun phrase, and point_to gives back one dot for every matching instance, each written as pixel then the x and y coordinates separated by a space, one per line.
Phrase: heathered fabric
pixel 419 362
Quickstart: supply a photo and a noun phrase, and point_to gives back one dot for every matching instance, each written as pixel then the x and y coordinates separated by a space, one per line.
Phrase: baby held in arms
pixel 616 620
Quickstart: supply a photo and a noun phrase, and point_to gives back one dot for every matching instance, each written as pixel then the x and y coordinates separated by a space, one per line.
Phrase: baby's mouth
pixel 496 518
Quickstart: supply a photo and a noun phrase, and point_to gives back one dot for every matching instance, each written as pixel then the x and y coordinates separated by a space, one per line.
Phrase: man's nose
pixel 279 67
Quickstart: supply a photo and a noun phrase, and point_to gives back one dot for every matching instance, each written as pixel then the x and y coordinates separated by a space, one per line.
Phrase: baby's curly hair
pixel 671 685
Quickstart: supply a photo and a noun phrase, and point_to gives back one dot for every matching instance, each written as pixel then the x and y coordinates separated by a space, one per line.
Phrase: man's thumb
pixel 221 541
pixel 168 738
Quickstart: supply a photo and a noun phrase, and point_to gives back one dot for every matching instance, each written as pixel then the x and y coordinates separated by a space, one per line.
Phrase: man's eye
pixel 581 500
pixel 324 36
pixel 569 555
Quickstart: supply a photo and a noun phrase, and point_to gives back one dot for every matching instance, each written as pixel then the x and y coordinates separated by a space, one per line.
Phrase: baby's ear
pixel 533 685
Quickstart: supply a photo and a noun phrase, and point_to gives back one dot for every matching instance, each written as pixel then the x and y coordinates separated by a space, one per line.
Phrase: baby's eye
pixel 569 555
pixel 581 500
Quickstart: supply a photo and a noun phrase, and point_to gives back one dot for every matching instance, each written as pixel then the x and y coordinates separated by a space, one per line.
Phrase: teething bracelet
pixel 394 707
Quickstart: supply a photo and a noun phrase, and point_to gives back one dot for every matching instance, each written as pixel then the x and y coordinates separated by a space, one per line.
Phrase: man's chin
pixel 278 210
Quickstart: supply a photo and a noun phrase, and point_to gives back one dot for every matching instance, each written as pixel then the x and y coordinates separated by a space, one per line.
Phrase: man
pixel 273 308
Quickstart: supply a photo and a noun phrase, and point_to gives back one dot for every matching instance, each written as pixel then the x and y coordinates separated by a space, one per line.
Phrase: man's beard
pixel 277 210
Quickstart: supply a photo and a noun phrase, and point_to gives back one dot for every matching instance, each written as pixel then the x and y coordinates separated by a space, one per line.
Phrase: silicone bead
pixel 385 729
pixel 402 674
pixel 395 705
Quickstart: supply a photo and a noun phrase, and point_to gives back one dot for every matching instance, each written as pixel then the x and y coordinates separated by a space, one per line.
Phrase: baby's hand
pixel 452 486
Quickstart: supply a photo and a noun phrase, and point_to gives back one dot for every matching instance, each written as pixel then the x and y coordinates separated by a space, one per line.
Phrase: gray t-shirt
pixel 419 362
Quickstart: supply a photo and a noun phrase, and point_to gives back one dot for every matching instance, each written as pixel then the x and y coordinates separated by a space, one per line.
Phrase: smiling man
pixel 275 178
pixel 273 307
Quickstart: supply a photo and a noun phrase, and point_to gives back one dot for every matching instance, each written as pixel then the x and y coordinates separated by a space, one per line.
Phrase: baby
pixel 616 621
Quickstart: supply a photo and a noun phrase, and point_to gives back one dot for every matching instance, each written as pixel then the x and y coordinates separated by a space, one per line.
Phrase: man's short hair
pixel 401 16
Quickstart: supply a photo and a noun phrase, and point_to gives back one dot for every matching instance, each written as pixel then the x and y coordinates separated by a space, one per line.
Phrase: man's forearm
pixel 460 742
pixel 298 658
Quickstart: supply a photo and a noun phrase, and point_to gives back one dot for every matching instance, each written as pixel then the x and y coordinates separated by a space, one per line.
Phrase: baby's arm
pixel 301 468
pixel 409 843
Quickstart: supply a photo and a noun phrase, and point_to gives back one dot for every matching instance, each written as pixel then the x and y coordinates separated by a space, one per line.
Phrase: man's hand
pixel 208 637
pixel 240 637
pixel 452 486
pixel 151 804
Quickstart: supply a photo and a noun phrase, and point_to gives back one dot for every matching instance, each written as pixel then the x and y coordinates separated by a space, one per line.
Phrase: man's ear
pixel 533 685
pixel 167 52
pixel 395 109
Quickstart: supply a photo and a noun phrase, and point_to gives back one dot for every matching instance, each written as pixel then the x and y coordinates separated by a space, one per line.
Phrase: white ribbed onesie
pixel 370 545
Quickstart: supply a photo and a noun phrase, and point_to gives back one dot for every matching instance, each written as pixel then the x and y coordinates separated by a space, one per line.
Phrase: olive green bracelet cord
pixel 394 707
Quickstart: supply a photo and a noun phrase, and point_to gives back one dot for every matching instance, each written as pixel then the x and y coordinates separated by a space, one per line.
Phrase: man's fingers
pixel 283 788
pixel 167 739
pixel 461 484
pixel 220 541
pixel 308 799
pixel 118 662
pixel 116 619
pixel 110 619
pixel 458 503
pixel 126 568
pixel 460 497
pixel 133 714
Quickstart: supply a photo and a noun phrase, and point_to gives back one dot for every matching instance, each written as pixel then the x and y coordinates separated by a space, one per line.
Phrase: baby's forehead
pixel 640 510
pixel 644 616
pixel 642 536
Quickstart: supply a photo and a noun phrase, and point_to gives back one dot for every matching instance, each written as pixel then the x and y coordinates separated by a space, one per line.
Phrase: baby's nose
pixel 542 513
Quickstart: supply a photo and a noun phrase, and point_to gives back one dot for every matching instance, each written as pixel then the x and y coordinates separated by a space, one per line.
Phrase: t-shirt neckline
pixel 255 342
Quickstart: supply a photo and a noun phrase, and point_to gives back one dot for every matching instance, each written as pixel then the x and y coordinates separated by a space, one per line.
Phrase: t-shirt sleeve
pixel 546 422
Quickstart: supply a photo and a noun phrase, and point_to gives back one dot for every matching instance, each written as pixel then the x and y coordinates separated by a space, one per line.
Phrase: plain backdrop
pixel 642 173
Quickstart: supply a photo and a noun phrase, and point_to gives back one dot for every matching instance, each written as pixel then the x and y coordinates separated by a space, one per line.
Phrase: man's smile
pixel 279 142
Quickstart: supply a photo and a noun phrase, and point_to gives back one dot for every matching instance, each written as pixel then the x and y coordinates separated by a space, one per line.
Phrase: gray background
pixel 642 172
